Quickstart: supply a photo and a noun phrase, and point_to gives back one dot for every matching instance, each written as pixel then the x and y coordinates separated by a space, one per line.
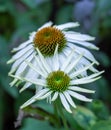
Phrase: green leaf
pixel 32 124
pixel 102 125
pixel 100 109
pixel 84 117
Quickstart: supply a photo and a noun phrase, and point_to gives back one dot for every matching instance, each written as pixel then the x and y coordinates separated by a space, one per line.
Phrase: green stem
pixel 63 119
pixel 56 113
pixel 63 116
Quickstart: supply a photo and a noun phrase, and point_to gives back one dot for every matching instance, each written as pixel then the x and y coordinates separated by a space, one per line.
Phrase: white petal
pixel 46 66
pixel 65 103
pixel 13 82
pixel 48 24
pixel 44 96
pixel 80 50
pixel 19 61
pixel 23 65
pixel 73 64
pixel 27 85
pixel 69 99
pixel 79 89
pixel 40 65
pixel 40 82
pixel 22 52
pixel 36 69
pixel 36 81
pixel 83 43
pixel 56 59
pixel 67 25
pixel 76 73
pixel 34 98
pixel 22 45
pixel 79 96
pixel 83 81
pixel 54 96
pixel 68 60
pixel 78 37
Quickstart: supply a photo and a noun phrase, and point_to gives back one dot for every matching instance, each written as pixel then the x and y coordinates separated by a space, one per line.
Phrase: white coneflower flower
pixel 59 81
pixel 46 39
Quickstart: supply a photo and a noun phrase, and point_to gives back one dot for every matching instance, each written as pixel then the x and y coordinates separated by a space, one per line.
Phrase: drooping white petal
pixel 76 73
pixel 69 99
pixel 94 75
pixel 68 60
pixel 22 52
pixel 67 25
pixel 44 96
pixel 36 69
pixel 79 96
pixel 13 82
pixel 46 66
pixel 79 89
pixel 40 65
pixel 56 59
pixel 85 44
pixel 73 64
pixel 33 81
pixel 54 96
pixel 83 81
pixel 19 61
pixel 23 65
pixel 80 50
pixel 48 24
pixel 21 46
pixel 34 98
pixel 27 85
pixel 65 103
pixel 78 37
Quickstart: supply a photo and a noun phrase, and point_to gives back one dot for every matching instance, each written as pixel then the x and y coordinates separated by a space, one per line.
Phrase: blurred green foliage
pixel 20 17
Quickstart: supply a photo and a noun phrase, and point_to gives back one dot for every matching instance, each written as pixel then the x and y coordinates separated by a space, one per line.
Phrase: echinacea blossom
pixel 59 81
pixel 46 39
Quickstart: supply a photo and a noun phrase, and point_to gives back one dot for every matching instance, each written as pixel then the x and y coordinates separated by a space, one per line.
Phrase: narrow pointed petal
pixel 41 65
pixel 27 85
pixel 56 59
pixel 73 64
pixel 19 61
pixel 87 44
pixel 46 66
pixel 79 96
pixel 44 96
pixel 65 103
pixel 54 96
pixel 69 99
pixel 81 70
pixel 23 65
pixel 22 52
pixel 80 50
pixel 33 81
pixel 13 82
pixel 21 46
pixel 68 60
pixel 94 75
pixel 79 89
pixel 36 69
pixel 83 81
pixel 34 98
pixel 67 25
pixel 78 36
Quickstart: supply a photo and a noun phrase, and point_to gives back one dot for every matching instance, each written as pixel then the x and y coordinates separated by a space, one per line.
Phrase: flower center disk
pixel 58 81
pixel 47 39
